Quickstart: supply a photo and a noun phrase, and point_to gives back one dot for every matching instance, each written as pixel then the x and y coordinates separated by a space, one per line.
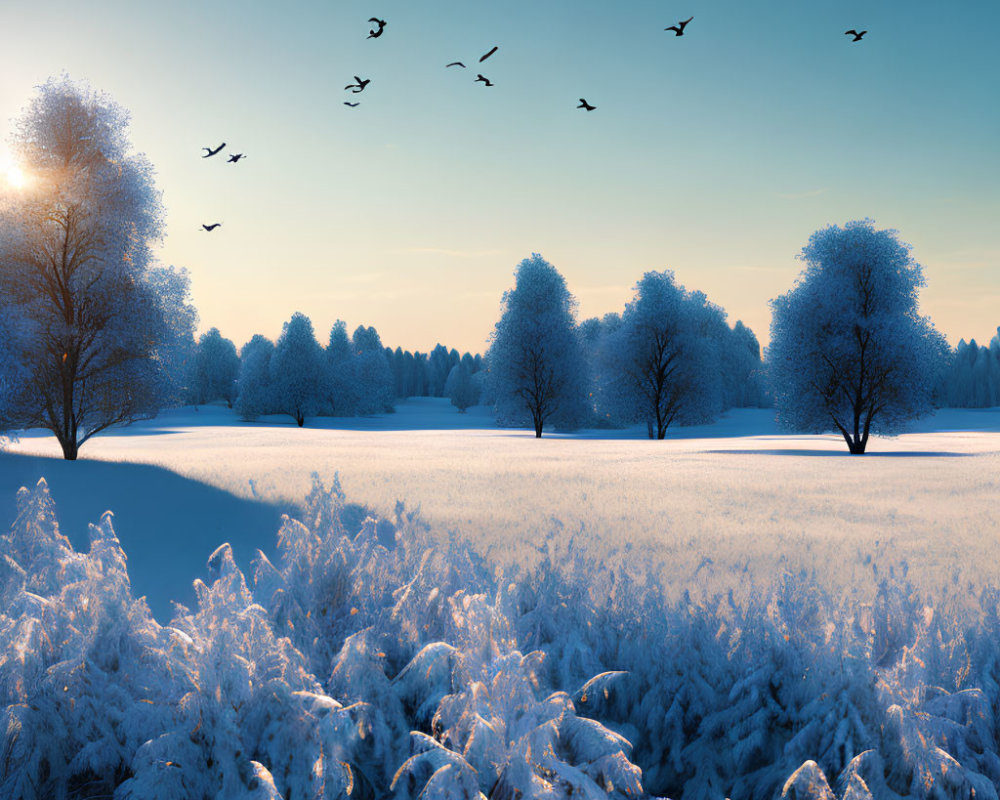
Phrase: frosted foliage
pixel 100 320
pixel 849 353
pixel 297 370
pixel 537 369
pixel 367 661
pixel 972 378
pixel 374 382
pixel 461 386
pixel 342 389
pixel 256 388
pixel 662 364
pixel 216 369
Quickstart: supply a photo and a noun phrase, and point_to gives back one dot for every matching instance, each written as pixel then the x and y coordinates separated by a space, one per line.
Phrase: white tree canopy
pixel 297 370
pixel 99 319
pixel 537 368
pixel 849 351
pixel 662 363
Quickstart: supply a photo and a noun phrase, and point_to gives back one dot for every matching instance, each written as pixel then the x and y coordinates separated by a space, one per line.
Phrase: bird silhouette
pixel 211 227
pixel 479 77
pixel 352 105
pixel 483 58
pixel 586 105
pixel 212 152
pixel 381 28
pixel 857 36
pixel 359 86
pixel 455 64
pixel 235 158
pixel 678 29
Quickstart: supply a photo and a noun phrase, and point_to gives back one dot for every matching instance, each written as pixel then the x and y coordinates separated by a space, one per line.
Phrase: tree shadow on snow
pixel 168 525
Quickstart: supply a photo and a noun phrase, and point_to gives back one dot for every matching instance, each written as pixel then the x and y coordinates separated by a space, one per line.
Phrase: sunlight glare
pixel 10 172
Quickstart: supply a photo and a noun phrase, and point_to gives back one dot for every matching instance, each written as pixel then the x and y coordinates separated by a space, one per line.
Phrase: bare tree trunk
pixel 649 428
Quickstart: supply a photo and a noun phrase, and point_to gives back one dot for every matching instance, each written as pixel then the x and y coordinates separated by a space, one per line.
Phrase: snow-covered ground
pixel 739 492
pixel 722 614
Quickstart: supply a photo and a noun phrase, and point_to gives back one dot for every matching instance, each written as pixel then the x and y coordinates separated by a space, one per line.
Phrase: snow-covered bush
pixel 375 659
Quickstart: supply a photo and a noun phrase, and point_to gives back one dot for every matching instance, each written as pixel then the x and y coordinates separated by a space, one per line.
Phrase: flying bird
pixel 586 105
pixel 857 36
pixel 481 60
pixel 212 152
pixel 678 29
pixel 235 158
pixel 211 227
pixel 455 64
pixel 479 77
pixel 373 34
pixel 359 86
pixel 352 105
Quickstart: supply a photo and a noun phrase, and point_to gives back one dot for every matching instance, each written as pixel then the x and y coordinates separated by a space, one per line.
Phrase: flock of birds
pixel 234 158
pixel 360 84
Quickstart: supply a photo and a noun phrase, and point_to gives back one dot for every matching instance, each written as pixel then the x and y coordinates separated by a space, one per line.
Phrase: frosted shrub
pixel 370 660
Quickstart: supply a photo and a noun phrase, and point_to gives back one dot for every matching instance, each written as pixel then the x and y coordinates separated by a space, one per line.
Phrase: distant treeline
pixel 352 375
pixel 972 380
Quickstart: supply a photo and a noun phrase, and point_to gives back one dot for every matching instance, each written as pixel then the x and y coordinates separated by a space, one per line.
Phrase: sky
pixel 714 155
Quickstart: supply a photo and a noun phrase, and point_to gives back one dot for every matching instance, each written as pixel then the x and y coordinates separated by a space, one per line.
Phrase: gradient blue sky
pixel 715 155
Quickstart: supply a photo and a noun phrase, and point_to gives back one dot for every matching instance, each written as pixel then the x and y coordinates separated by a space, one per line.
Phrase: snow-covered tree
pixel 216 369
pixel 297 370
pixel 11 370
pixel 662 363
pixel 537 368
pixel 342 389
pixel 972 379
pixel 461 385
pixel 99 316
pixel 256 388
pixel 849 351
pixel 374 383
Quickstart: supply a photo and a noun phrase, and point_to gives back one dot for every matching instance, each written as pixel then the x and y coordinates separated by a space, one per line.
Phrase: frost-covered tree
pixel 11 370
pixel 256 388
pixel 661 363
pixel 461 386
pixel 216 369
pixel 972 379
pixel 342 389
pixel 743 370
pixel 849 351
pixel 536 358
pixel 374 383
pixel 99 316
pixel 297 370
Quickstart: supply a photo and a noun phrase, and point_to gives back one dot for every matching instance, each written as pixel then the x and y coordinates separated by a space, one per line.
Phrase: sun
pixel 10 172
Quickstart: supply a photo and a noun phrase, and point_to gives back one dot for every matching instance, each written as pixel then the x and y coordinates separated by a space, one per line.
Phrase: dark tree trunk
pixel 649 428
pixel 300 420
pixel 69 448
pixel 538 429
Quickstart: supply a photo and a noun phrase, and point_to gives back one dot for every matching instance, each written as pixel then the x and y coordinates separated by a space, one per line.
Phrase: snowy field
pixel 738 492
pixel 733 612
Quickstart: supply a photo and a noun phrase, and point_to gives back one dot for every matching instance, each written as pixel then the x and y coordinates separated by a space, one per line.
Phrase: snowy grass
pixel 738 493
